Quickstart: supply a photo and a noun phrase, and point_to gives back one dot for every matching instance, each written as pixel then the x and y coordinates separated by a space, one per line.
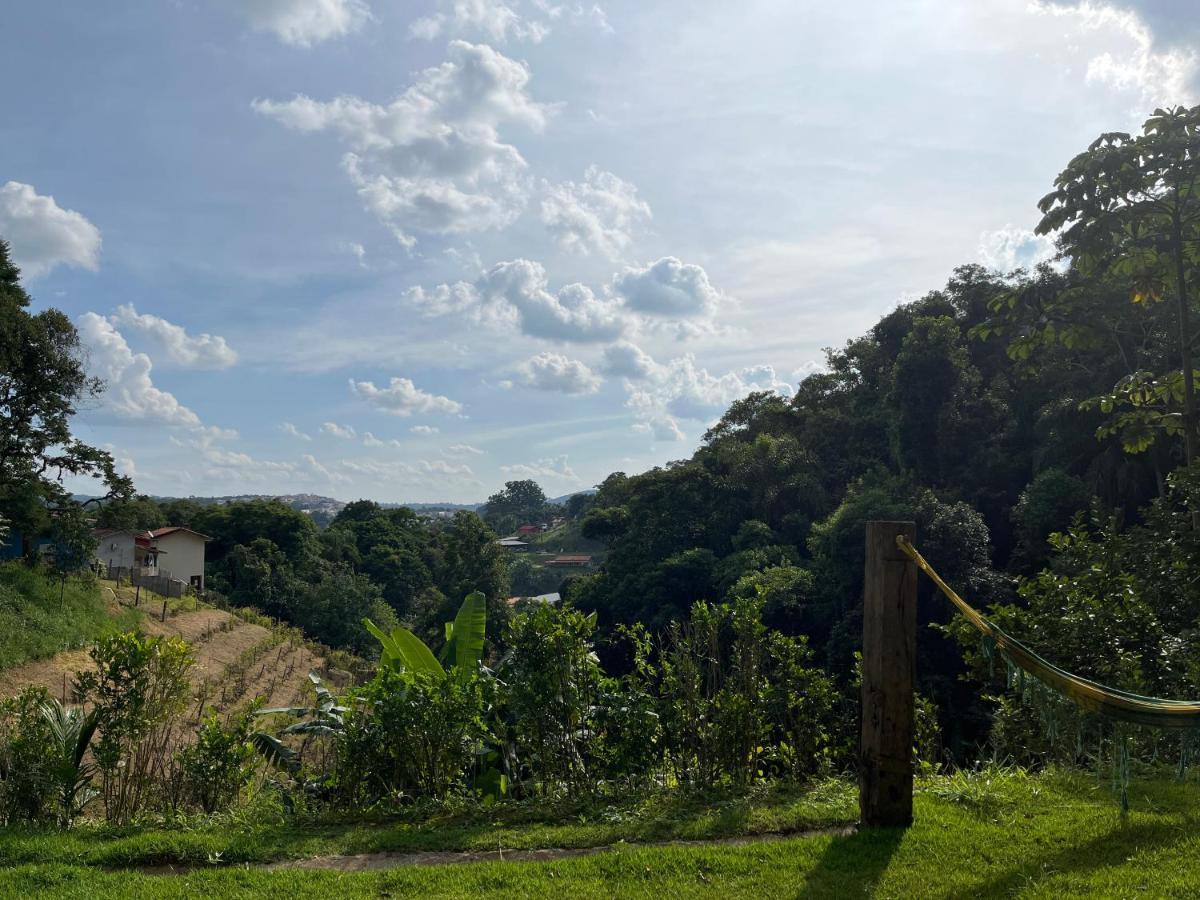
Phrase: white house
pixel 117 548
pixel 181 553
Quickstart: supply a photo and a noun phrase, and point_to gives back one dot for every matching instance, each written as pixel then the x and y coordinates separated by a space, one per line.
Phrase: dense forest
pixel 1039 426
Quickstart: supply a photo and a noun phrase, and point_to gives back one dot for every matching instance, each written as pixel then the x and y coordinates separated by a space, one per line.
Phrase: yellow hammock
pixel 1093 697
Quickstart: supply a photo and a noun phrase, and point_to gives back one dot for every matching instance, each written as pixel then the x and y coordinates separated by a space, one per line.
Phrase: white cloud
pixel 1154 52
pixel 341 432
pixel 424 429
pixel 403 398
pixel 598 214
pixel 555 468
pixel 42 234
pixel 432 160
pixel 462 449
pixel 419 472
pixel 130 393
pixel 493 19
pixel 303 23
pixel 659 394
pixel 1010 248
pixel 668 288
pixel 289 429
pixel 627 360
pixel 518 290
pixel 504 20
pixel 369 440
pixel 555 372
pixel 204 351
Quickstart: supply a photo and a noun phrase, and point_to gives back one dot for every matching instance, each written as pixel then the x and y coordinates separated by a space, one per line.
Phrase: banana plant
pixel 326 717
pixel 71 731
pixel 464 642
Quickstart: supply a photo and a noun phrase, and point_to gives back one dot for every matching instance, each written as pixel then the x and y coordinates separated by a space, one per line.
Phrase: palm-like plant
pixel 325 717
pixel 71 731
pixel 464 642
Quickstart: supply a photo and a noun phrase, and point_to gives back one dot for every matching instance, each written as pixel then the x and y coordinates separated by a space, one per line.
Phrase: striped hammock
pixel 1121 706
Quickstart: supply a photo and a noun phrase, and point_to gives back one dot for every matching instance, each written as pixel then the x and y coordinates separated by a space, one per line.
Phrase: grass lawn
pixel 979 836
pixel 39 616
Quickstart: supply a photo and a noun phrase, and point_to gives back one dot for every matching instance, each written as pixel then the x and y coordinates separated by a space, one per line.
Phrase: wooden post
pixel 164 613
pixel 885 784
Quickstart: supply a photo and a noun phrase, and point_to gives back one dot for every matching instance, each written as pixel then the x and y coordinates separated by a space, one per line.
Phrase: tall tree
pixel 1129 206
pixel 42 380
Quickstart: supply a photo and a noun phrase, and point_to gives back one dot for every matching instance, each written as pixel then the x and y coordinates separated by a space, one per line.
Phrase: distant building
pixel 553 599
pixel 117 548
pixel 516 545
pixel 571 560
pixel 184 551
pixel 526 530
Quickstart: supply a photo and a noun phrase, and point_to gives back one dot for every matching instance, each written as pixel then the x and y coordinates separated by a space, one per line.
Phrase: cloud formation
pixel 432 160
pixel 341 432
pixel 555 468
pixel 668 288
pixel 558 373
pixel 129 392
pixel 1156 49
pixel 203 351
pixel 504 20
pixel 596 215
pixel 42 234
pixel 403 398
pixel 1011 248
pixel 660 394
pixel 291 430
pixel 303 23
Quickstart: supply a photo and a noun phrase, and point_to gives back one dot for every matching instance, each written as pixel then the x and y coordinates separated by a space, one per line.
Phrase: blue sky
pixel 409 251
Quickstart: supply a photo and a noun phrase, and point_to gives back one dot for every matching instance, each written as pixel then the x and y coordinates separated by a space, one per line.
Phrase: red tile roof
pixel 171 529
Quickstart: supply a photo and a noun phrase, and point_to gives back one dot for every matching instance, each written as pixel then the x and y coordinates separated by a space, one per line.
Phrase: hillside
pixel 39 618
pixel 236 659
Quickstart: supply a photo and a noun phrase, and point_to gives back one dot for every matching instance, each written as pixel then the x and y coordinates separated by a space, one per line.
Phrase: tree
pixel 1130 206
pixel 520 503
pixel 42 380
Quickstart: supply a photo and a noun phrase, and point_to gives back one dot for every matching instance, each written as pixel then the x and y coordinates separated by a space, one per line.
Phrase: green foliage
pixel 220 762
pixel 71 731
pixel 553 681
pixel 410 733
pixel 40 617
pixel 27 784
pixel 42 379
pixel 136 688
pixel 520 503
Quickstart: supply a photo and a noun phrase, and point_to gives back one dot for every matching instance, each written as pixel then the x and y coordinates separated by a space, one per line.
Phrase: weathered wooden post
pixel 885 785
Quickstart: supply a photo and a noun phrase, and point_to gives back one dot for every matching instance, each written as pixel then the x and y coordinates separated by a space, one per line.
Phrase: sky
pixel 412 250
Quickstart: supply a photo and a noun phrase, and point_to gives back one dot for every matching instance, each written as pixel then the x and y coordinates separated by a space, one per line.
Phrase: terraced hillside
pixel 236 660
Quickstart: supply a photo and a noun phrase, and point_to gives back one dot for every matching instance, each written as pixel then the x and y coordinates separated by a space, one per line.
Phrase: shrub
pixel 553 681
pixel 138 686
pixel 220 763
pixel 26 781
pixel 410 733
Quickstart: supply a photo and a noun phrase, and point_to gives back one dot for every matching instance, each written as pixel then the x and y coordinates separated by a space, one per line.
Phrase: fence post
pixel 885 784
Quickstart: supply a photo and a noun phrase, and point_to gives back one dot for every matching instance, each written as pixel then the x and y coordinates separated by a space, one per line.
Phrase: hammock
pixel 1109 702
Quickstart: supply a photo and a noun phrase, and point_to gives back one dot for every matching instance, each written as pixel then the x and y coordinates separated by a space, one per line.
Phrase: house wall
pixel 182 556
pixel 116 550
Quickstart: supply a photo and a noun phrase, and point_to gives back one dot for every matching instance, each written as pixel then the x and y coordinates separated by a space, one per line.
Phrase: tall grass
pixel 35 623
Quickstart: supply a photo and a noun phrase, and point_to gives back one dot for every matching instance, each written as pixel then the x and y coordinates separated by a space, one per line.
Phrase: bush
pixel 553 681
pixel 138 687
pixel 26 783
pixel 409 733
pixel 220 763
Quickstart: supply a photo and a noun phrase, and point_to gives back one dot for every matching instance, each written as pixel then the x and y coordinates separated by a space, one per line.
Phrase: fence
pixel 160 583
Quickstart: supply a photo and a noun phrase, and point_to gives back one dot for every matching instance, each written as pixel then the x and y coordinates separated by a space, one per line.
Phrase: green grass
pixel 36 623
pixel 978 836
pixel 566 538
